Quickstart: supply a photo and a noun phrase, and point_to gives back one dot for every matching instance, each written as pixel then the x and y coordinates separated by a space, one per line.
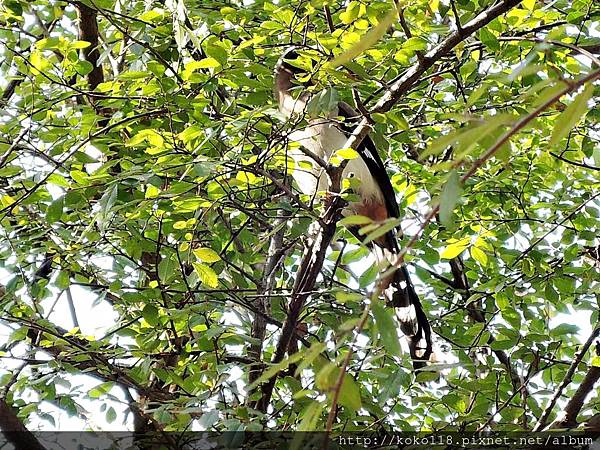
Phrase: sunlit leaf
pixel 206 274
pixel 207 255
pixel 388 328
pixel 449 198
pixel 367 41
pixel 571 115
pixel 454 249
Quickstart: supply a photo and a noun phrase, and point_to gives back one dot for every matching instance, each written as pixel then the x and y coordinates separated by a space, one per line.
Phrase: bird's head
pixel 292 77
pixel 292 64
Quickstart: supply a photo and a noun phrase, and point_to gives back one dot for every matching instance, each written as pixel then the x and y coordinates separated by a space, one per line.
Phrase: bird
pixel 322 137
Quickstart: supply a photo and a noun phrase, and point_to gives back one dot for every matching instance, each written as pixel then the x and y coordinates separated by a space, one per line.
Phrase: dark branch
pixel 16 433
pixel 88 31
pixel 567 380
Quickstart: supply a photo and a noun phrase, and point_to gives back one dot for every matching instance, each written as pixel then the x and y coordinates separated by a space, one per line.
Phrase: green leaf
pixel 206 274
pixel 350 393
pixel 479 255
pixel 449 198
pixel 489 39
pixel 310 416
pixel 48 43
pixel 476 95
pixel 382 229
pixel 276 368
pixel 353 256
pixel 355 220
pixel 415 44
pixel 167 269
pixel 388 328
pixel 101 389
pixel 551 293
pixel 565 329
pixel 368 276
pixel 398 119
pixel 309 356
pixel 55 210
pixel 503 344
pixel 327 378
pixel 571 115
pixel 111 414
pixel 329 99
pixel 323 103
pixel 63 280
pixel 208 419
pixel 150 315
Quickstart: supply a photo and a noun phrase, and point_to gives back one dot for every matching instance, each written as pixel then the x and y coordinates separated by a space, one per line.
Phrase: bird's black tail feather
pixel 413 321
pixel 400 293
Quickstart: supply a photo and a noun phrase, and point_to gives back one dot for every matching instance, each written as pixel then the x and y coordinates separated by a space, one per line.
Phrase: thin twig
pixel 340 380
pixel 328 18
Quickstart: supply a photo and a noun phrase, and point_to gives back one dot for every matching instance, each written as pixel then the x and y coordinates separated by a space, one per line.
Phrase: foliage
pixel 159 191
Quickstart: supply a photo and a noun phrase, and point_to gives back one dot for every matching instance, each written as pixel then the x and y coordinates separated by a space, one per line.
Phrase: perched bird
pixel 322 137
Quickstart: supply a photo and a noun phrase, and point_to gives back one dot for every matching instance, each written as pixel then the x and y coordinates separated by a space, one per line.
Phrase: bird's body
pixel 322 137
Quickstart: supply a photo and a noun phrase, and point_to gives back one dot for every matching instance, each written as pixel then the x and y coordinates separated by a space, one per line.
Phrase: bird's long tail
pixel 400 293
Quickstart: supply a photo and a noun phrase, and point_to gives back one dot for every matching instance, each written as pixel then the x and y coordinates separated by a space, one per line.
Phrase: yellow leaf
pixel 479 255
pixel 207 63
pixel 207 255
pixel 151 191
pixel 347 153
pixel 483 244
pixel 80 44
pixel 6 200
pixel 246 177
pixel 455 248
pixel 206 274
pixel 367 41
pixel 180 225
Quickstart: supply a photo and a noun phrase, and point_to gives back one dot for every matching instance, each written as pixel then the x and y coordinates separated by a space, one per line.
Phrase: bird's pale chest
pixel 323 138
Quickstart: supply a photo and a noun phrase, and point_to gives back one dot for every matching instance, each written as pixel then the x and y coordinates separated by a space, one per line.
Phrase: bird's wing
pixel 370 156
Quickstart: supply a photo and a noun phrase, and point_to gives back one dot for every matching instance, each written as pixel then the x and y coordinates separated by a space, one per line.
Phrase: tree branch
pixel 576 403
pixel 411 76
pixel 566 381
pixel 16 433
pixel 310 268
pixel 88 31
pixel 263 303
